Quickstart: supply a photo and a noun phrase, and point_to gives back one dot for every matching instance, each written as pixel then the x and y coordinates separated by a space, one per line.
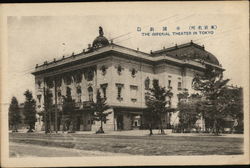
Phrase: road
pixel 74 144
pixel 27 150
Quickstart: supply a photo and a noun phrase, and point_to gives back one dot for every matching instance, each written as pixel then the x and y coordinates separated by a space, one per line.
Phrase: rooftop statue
pixel 100 31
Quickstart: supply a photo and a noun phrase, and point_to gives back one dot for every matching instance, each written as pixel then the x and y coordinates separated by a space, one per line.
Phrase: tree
pixel 189 111
pixel 14 114
pixel 99 109
pixel 48 105
pixel 213 87
pixel 69 115
pixel 29 110
pixel 157 104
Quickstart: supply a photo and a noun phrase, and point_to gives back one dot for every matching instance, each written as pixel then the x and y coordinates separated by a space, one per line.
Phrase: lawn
pixel 137 145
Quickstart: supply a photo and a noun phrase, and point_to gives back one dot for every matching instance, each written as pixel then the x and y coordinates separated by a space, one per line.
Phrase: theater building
pixel 123 75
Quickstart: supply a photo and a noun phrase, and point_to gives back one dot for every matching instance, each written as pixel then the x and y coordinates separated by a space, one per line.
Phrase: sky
pixel 35 39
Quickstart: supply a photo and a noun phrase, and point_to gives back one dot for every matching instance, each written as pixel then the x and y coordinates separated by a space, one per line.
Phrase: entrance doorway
pixel 119 122
pixel 78 123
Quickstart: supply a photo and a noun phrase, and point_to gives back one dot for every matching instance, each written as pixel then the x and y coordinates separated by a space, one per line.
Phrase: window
pixel 169 84
pixel 90 90
pixel 68 92
pixel 119 69
pixel 119 91
pixel 39 98
pixel 39 84
pixel 133 72
pixel 79 93
pixel 104 89
pixel 89 73
pixel 179 85
pixel 104 69
pixel 133 92
pixel 67 79
pixel 147 83
pixel 49 82
pixel 58 81
pixel 78 76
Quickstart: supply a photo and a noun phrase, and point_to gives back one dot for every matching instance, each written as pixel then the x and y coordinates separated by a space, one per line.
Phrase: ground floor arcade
pixel 120 118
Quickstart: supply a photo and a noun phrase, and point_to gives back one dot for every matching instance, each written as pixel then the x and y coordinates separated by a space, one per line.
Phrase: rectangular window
pixel 119 91
pixel 179 86
pixel 133 92
pixel 169 84
pixel 104 89
pixel 39 98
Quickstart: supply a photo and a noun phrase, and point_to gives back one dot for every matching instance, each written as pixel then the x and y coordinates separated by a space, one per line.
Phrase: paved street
pixel 97 145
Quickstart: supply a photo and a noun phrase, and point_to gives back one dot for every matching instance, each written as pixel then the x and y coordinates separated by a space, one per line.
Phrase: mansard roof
pixel 188 51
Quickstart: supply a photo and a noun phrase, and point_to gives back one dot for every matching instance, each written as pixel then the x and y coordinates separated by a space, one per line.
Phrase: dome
pixel 100 41
pixel 189 51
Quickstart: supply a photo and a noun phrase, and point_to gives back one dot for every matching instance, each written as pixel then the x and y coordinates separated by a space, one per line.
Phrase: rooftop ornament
pixel 100 41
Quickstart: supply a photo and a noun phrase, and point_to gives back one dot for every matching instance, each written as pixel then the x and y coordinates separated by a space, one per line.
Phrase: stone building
pixel 123 75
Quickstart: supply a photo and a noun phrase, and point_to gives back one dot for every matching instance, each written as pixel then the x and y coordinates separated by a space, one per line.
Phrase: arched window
pixel 90 90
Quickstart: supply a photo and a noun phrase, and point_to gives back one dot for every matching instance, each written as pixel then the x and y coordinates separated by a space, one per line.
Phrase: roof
pixel 188 51
pixel 153 58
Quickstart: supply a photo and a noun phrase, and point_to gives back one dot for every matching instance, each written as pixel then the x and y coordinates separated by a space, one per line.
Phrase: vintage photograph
pixel 104 83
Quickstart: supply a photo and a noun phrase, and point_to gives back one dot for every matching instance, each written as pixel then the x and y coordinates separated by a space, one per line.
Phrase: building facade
pixel 123 76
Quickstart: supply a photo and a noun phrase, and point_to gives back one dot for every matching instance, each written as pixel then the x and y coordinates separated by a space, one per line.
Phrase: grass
pixel 137 145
